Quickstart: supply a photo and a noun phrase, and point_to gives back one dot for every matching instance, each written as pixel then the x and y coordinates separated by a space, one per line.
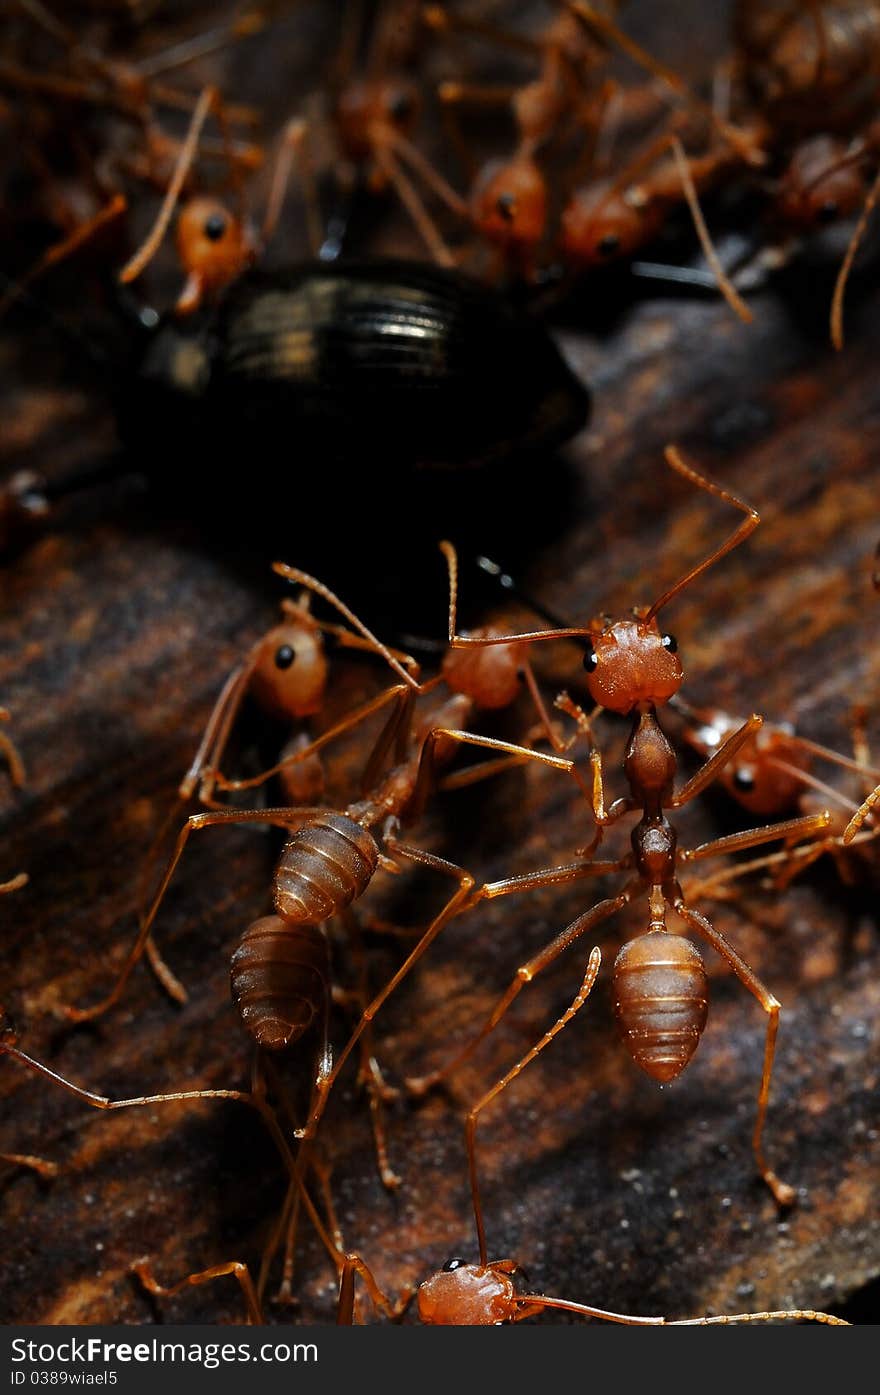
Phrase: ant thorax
pixel 649 762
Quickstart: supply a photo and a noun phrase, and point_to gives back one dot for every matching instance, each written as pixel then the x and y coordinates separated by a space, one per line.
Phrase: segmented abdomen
pixel 280 977
pixel 661 1002
pixel 323 868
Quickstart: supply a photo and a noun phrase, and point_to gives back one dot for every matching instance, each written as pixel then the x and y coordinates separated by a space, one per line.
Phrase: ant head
pixel 820 185
pixel 214 248
pixel 630 662
pixel 489 674
pixel 755 779
pixel 466 1295
pixel 601 225
pixel 290 666
pixel 390 103
pixel 509 202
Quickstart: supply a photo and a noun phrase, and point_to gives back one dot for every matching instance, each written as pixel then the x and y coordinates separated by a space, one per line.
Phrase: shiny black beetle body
pixel 355 363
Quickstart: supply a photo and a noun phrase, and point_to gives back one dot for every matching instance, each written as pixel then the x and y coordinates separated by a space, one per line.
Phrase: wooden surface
pixel 116 634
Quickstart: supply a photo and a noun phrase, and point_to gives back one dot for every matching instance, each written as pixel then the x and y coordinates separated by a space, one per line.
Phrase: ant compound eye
pixel 451 1265
pixel 591 661
pixel 506 206
pixel 827 211
pixel 608 245
pixel 670 643
pixel 284 656
pixel 215 227
pixel 743 780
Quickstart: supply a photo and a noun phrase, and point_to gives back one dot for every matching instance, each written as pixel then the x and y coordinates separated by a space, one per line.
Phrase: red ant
pixel 484 1294
pixel 773 775
pixel 510 199
pixel 280 972
pixel 634 668
pixel 158 148
pixel 818 65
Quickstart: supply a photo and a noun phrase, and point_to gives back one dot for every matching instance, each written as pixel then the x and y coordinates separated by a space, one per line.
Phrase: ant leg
pixel 208 755
pixel 41 1166
pixel 471 1123
pixel 322 1171
pixel 14 884
pixel 556 741
pixel 10 751
pixel 598 24
pixel 711 768
pixel 450 95
pixel 144 1271
pixel 713 887
pixel 427 761
pixel 295 149
pixel 846 266
pixel 272 1244
pixel 386 160
pixel 783 1194
pixel 722 280
pixel 60 251
pixel 859 763
pixel 753 837
pixel 281 818
pixel 858 723
pixel 405 150
pixel 360 714
pixel 420 1085
pixel 460 900
pixel 215 736
pixel 437 17
pixel 353 1266
pixel 484 770
pixel 370 1075
pixel 286 1226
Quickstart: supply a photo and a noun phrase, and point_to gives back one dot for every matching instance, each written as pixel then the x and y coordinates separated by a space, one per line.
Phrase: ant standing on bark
pixel 661 991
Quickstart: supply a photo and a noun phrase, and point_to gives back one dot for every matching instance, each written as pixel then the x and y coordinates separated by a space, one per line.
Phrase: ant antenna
pixel 135 265
pixel 507 583
pixel 312 584
pixel 846 268
pixel 675 461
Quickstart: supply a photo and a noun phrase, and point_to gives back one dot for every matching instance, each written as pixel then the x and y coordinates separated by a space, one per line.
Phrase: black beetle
pixel 338 391
pixel 408 364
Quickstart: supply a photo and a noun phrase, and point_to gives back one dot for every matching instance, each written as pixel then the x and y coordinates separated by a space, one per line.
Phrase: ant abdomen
pixel 280 977
pixel 323 868
pixel 661 1001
